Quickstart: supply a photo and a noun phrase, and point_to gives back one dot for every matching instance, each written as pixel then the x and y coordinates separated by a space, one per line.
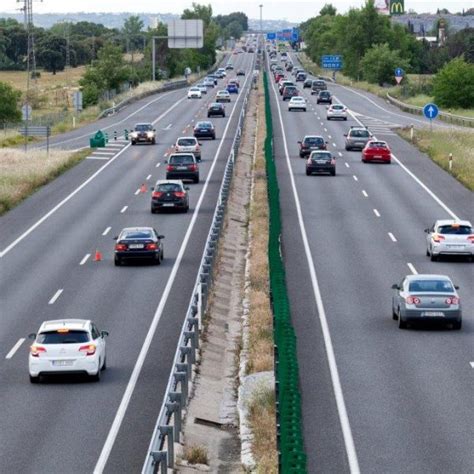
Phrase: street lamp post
pixel 261 24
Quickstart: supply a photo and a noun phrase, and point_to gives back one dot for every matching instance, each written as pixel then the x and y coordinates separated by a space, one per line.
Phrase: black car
pixel 311 143
pixel 182 166
pixel 240 72
pixel 204 130
pixel 138 243
pixel 317 86
pixel 289 67
pixel 169 195
pixel 229 67
pixel 324 97
pixel 289 92
pixel 321 162
pixel 307 83
pixel 216 108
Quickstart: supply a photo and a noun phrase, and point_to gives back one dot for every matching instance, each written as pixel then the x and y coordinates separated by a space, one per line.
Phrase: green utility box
pixel 98 140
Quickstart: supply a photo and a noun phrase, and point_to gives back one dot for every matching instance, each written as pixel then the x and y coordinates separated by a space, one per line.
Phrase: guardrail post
pixel 411 132
pixel 182 378
pixel 191 335
pixel 167 431
pixel 450 162
pixel 174 409
pixel 188 353
pixel 180 367
pixel 160 457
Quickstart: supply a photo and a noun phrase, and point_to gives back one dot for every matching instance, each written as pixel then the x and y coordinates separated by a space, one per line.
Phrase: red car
pixel 376 150
pixel 278 76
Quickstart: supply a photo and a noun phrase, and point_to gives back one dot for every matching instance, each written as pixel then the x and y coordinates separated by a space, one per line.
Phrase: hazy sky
pixel 275 9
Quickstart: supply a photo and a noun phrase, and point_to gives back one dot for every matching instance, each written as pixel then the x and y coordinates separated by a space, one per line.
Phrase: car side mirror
pixel 199 143
pixel 326 142
pixel 116 237
pixel 104 333
pixel 186 188
pixel 345 134
pixel 165 162
pixel 152 188
pixel 456 287
pixel 32 336
pixel 154 129
pixel 427 231
pixel 161 237
pixel 395 287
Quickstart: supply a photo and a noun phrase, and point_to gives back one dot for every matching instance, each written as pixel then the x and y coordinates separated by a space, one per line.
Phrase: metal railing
pixel 168 426
pixel 445 116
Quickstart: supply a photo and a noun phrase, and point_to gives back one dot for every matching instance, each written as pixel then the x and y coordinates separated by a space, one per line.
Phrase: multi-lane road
pixel 374 398
pixel 47 245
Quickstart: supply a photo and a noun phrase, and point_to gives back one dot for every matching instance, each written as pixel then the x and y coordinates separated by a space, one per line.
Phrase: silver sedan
pixel 450 237
pixel 426 298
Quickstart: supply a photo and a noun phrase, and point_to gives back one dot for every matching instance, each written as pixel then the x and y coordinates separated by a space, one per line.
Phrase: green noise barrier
pixel 292 458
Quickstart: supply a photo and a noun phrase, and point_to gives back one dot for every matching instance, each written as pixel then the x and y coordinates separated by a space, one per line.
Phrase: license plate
pixel 168 204
pixel 453 246
pixel 135 246
pixel 320 162
pixel 62 363
pixel 360 143
pixel 433 314
pixel 182 168
pixel 378 157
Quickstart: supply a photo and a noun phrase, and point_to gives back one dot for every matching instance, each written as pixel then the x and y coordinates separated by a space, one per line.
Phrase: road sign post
pixel 399 73
pixel 430 111
pixel 36 131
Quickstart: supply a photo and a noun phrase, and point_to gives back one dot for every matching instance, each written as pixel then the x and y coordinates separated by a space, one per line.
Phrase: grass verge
pixel 260 356
pixel 440 143
pixel 22 174
pixel 196 455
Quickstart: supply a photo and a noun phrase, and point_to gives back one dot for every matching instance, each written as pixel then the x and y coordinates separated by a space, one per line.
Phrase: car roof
pixel 452 221
pixel 223 92
pixel 169 181
pixel 183 153
pixel 135 229
pixel 296 97
pixel 427 276
pixel 143 123
pixel 187 138
pixel 53 325
pixel 204 121
pixel 313 136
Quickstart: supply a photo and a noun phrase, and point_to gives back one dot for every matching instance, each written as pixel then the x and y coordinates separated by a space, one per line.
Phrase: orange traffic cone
pixel 143 188
pixel 98 256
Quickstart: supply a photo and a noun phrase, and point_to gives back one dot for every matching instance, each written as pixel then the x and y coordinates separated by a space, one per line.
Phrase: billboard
pixel 383 6
pixel 185 34
pixel 397 7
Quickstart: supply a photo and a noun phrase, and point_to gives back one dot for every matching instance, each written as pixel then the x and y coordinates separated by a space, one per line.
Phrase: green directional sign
pixel 397 7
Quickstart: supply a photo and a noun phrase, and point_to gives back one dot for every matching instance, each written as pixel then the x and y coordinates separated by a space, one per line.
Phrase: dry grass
pixel 262 421
pixel 440 143
pixel 22 174
pixel 196 455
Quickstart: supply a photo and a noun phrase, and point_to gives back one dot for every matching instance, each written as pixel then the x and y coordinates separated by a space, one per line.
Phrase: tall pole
pixel 261 24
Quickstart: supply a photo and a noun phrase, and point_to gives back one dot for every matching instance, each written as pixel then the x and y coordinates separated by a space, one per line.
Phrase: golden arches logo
pixel 396 7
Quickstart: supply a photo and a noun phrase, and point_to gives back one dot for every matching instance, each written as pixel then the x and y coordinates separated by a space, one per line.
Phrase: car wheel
pixel 196 180
pixel 104 365
pixel 345 118
pixel 34 379
pixel 186 209
pixel 394 314
pixel 308 173
pixel 289 110
pixel 153 210
pixel 213 137
pixel 117 262
pixel 96 377
pixel 457 325
pixel 347 148
pixel 333 173
pixel 433 257
pixel 304 110
pixel 388 162
pixel 134 143
pixel 157 261
pixel 401 323
pixel 363 161
pixel 153 142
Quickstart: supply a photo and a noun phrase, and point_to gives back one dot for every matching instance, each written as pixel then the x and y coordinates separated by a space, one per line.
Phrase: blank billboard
pixel 185 34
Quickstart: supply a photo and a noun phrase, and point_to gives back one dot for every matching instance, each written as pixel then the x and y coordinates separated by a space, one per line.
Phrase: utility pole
pixel 261 24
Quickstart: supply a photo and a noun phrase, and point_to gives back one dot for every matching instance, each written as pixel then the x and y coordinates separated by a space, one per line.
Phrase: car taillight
pixel 471 239
pixel 437 238
pixel 193 167
pixel 156 194
pixel 180 194
pixel 412 300
pixel 333 161
pixel 88 349
pixel 452 300
pixel 120 247
pixel 151 246
pixel 36 350
pixel 169 168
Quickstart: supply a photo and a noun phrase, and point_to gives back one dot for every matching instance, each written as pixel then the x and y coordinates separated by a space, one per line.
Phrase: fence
pixel 445 116
pixel 168 427
pixel 292 458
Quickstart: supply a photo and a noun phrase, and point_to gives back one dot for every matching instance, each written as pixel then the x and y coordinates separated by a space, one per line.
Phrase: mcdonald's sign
pixel 397 7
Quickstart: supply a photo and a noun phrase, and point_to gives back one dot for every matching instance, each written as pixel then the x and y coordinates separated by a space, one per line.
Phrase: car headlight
pixel 134 134
pixel 149 134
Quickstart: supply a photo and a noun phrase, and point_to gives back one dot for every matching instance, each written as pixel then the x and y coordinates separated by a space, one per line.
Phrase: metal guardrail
pixel 445 116
pixel 168 426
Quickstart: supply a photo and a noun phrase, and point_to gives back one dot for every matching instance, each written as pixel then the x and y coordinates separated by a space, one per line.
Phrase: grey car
pixel 426 298
pixel 357 138
pixel 450 237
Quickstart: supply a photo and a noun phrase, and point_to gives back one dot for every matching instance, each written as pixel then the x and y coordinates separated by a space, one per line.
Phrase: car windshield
pixel 63 336
pixel 313 141
pixel 360 133
pixel 432 286
pixel 455 229
pixel 324 94
pixel 136 234
pixel 143 127
pixel 318 83
pixel 321 156
pixel 204 125
pixel 169 187
pixel 187 142
pixel 337 107
pixel 377 145
pixel 181 159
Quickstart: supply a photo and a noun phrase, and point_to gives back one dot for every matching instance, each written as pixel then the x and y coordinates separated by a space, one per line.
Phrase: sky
pixel 294 11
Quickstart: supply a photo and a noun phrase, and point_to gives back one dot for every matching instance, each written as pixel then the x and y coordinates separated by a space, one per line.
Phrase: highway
pixel 47 245
pixel 374 398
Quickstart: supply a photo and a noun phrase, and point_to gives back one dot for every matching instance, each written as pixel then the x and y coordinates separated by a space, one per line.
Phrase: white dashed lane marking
pixel 84 260
pixel 347 165
pixel 15 348
pixel 148 177
pixel 412 268
pixel 364 192
pixel 377 213
pixel 137 192
pixel 106 231
pixel 392 237
pixel 124 208
pixel 355 177
pixel 55 297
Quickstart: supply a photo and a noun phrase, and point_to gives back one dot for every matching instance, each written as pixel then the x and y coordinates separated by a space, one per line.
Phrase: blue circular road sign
pixel 430 111
pixel 399 72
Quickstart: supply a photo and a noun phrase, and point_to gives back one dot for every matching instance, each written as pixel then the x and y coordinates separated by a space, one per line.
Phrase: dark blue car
pixel 232 89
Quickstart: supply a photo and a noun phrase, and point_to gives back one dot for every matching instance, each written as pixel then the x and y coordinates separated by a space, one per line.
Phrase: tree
pixel 132 31
pixel 234 29
pixel 453 86
pixel 52 60
pixel 379 62
pixel 328 9
pixel 9 99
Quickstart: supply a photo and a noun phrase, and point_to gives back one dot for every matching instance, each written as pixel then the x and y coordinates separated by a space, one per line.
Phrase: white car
pixel 194 93
pixel 222 96
pixel 202 88
pixel 336 111
pixel 66 346
pixel 188 145
pixel 297 103
pixel 221 70
pixel 450 237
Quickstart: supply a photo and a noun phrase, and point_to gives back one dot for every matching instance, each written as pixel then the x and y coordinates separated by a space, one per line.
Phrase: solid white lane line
pixel 119 416
pixel 55 297
pixel 472 364
pixel 148 177
pixel 410 173
pixel 84 260
pixel 93 157
pixel 412 268
pixel 377 213
pixel 364 192
pixel 347 165
pixel 336 382
pixel 85 183
pixel 124 208
pixel 392 237
pixel 355 177
pixel 137 192
pixel 106 231
pixel 15 348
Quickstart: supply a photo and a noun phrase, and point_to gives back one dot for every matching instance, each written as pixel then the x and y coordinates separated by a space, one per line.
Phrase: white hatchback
pixel 67 346
pixel 297 103
pixel 194 93
pixel 450 237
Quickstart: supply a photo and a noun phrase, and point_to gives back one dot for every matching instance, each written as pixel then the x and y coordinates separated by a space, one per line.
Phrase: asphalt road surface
pixel 374 398
pixel 47 245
